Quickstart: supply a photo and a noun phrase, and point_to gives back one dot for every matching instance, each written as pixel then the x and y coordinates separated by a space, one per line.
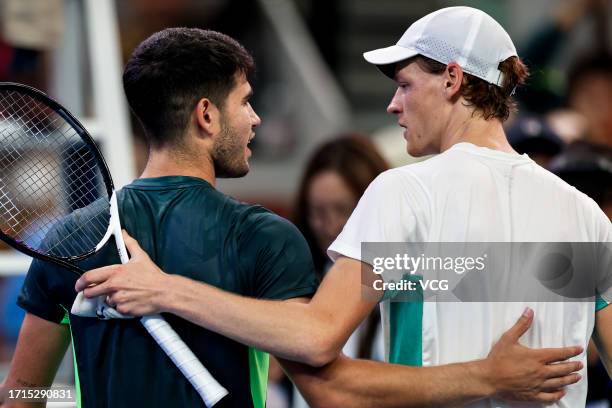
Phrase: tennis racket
pixel 58 204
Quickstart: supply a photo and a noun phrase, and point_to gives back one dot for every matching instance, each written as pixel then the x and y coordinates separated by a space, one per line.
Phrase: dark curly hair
pixel 171 70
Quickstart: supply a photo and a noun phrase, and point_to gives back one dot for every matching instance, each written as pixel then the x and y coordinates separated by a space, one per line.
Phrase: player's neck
pixel 171 163
pixel 477 131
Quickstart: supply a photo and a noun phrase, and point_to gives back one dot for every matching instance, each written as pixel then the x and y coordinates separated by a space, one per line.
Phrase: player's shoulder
pixel 247 217
pixel 258 218
pixel 600 222
pixel 258 227
pixel 577 203
pixel 398 176
pixel 83 225
pixel 404 180
pixel 567 190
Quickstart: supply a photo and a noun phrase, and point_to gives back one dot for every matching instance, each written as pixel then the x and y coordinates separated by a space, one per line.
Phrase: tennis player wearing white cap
pixel 456 70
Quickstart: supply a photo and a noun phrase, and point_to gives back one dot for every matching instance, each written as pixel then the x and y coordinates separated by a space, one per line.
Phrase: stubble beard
pixel 228 154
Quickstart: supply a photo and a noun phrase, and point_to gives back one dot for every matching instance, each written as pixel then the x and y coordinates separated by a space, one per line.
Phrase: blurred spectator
pixel 546 89
pixel 587 87
pixel 336 176
pixel 590 94
pixel 533 136
pixel 588 167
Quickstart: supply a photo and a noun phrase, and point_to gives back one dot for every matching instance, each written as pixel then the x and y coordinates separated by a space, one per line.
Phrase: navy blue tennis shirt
pixel 190 229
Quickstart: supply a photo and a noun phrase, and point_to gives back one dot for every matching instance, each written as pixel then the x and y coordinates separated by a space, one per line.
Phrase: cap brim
pixel 386 58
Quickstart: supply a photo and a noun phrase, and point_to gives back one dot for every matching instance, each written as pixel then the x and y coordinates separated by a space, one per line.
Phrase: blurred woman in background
pixel 336 176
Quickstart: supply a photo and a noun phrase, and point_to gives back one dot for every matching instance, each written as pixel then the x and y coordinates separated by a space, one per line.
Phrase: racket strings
pixel 50 180
pixel 32 229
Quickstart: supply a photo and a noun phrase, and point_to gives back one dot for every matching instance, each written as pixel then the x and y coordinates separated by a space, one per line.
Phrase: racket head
pixel 54 183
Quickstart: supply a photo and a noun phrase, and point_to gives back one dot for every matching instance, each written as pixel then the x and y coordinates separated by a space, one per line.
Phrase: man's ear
pixel 207 117
pixel 453 77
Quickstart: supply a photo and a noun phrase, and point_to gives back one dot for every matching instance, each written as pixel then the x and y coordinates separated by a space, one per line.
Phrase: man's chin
pixel 414 151
pixel 420 151
pixel 236 172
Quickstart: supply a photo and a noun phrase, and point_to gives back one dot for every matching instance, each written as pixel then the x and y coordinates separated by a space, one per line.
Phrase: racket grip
pixel 204 383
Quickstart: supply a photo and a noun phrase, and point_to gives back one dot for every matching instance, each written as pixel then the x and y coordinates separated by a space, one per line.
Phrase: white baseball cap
pixel 465 35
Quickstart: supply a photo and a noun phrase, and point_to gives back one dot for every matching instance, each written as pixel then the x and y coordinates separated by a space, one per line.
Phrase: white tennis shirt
pixel 475 194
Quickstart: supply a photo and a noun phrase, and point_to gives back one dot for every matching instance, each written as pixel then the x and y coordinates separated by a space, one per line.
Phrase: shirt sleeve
pixel 391 209
pixel 40 294
pixel 600 303
pixel 275 257
pixel 48 289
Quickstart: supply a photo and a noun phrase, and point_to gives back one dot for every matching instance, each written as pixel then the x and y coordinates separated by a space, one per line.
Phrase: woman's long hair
pixel 352 156
pixel 356 159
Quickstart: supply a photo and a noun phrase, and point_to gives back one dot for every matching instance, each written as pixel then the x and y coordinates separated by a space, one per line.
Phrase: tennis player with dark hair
pixel 456 70
pixel 190 90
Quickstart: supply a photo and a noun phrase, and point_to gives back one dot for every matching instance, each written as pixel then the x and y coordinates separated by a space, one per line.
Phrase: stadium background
pixel 311 84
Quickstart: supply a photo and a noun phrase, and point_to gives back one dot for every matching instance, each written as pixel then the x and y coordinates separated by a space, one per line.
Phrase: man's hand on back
pixel 137 288
pixel 519 373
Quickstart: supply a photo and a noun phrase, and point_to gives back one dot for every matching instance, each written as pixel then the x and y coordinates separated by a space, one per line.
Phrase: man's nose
pixel 394 106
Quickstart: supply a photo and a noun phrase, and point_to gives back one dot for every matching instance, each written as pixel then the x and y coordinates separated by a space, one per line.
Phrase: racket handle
pixel 204 383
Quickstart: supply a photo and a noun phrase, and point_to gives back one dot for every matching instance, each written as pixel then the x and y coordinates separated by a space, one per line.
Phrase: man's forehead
pixel 405 69
pixel 241 85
